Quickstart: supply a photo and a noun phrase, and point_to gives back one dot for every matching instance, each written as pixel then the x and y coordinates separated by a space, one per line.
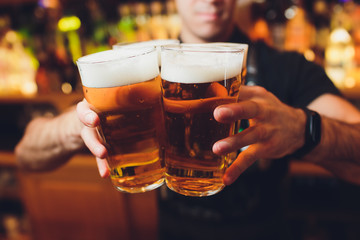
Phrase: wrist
pixel 70 127
pixel 311 134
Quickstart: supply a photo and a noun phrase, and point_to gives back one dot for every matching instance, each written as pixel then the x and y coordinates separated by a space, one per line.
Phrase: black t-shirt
pixel 250 208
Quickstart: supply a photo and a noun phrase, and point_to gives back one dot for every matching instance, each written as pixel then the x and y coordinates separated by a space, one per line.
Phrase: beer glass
pixel 123 88
pixel 245 48
pixel 241 124
pixel 158 43
pixel 195 80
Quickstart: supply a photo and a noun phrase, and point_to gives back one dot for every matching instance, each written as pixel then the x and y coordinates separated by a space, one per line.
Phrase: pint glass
pixel 244 123
pixel 195 80
pixel 244 47
pixel 123 88
pixel 158 43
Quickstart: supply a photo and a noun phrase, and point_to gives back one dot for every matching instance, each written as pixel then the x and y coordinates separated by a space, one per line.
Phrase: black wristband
pixel 312 133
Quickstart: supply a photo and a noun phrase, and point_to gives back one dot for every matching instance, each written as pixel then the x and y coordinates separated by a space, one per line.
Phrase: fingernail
pixel 221 146
pixel 102 172
pixel 90 118
pixel 227 111
pixel 228 180
pixel 99 152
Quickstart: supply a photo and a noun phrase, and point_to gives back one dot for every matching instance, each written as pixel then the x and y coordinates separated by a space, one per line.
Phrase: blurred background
pixel 40 41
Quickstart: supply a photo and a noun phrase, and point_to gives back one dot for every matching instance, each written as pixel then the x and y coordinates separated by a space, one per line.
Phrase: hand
pixel 91 137
pixel 276 129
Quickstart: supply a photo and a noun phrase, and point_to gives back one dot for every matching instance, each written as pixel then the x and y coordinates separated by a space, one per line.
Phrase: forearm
pixel 49 142
pixel 339 149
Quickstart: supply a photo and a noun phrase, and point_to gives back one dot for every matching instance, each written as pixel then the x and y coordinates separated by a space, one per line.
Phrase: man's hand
pixel 91 137
pixel 276 129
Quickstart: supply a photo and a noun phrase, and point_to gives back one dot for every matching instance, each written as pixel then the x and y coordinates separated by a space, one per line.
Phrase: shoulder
pixel 266 52
pixel 291 77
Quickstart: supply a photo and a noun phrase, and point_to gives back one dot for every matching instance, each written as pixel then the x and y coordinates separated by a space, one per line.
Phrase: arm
pixel 277 130
pixel 339 149
pixel 49 142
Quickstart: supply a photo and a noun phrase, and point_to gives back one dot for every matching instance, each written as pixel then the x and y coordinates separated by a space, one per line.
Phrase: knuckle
pixel 238 167
pixel 249 158
pixel 261 133
pixel 260 90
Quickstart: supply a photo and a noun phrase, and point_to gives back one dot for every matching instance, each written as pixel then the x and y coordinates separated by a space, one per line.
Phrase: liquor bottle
pixel 157 21
pixel 339 53
pixel 126 24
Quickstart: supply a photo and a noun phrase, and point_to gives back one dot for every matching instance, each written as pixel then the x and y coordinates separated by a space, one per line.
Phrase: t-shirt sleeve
pixel 310 82
pixel 288 75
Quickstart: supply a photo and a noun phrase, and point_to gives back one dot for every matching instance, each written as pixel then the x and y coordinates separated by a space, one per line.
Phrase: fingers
pixel 103 167
pixel 243 161
pixel 247 137
pixel 232 112
pixel 94 144
pixel 86 115
pixel 250 105
pixel 92 141
pixel 248 92
pixel 91 137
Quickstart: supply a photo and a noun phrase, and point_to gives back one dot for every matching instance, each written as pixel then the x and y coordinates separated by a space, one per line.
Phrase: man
pixel 278 129
pixel 250 206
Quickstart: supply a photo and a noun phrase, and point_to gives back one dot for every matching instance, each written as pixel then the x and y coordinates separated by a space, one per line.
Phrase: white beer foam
pixel 200 67
pixel 158 43
pixel 243 46
pixel 118 68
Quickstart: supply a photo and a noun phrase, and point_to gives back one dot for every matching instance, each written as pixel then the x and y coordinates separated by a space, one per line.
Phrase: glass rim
pixel 202 48
pixel 137 52
pixel 230 44
pixel 154 42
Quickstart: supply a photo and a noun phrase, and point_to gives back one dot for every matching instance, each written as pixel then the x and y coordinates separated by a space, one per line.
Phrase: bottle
pixel 126 24
pixel 339 53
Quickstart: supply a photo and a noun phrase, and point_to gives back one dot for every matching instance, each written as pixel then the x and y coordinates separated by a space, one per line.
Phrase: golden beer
pixel 245 47
pixel 125 92
pixel 195 80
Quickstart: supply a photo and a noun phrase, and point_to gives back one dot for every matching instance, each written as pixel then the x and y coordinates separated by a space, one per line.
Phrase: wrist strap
pixel 312 133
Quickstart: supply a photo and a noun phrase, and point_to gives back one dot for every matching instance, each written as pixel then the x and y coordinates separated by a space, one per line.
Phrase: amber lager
pixel 195 80
pixel 123 87
pixel 245 47
pixel 157 43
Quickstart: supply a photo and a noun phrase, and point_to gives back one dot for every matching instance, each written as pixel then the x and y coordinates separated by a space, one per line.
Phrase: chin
pixel 213 36
pixel 204 29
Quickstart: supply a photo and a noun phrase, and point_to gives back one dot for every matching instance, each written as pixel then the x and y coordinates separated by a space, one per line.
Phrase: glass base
pixel 141 189
pixel 194 188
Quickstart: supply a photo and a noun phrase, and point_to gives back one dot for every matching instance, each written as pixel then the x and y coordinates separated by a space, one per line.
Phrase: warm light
pixel 29 88
pixel 350 82
pixel 66 88
pixel 49 3
pixel 340 35
pixel 11 36
pixel 290 13
pixel 337 75
pixel 309 55
pixel 66 24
